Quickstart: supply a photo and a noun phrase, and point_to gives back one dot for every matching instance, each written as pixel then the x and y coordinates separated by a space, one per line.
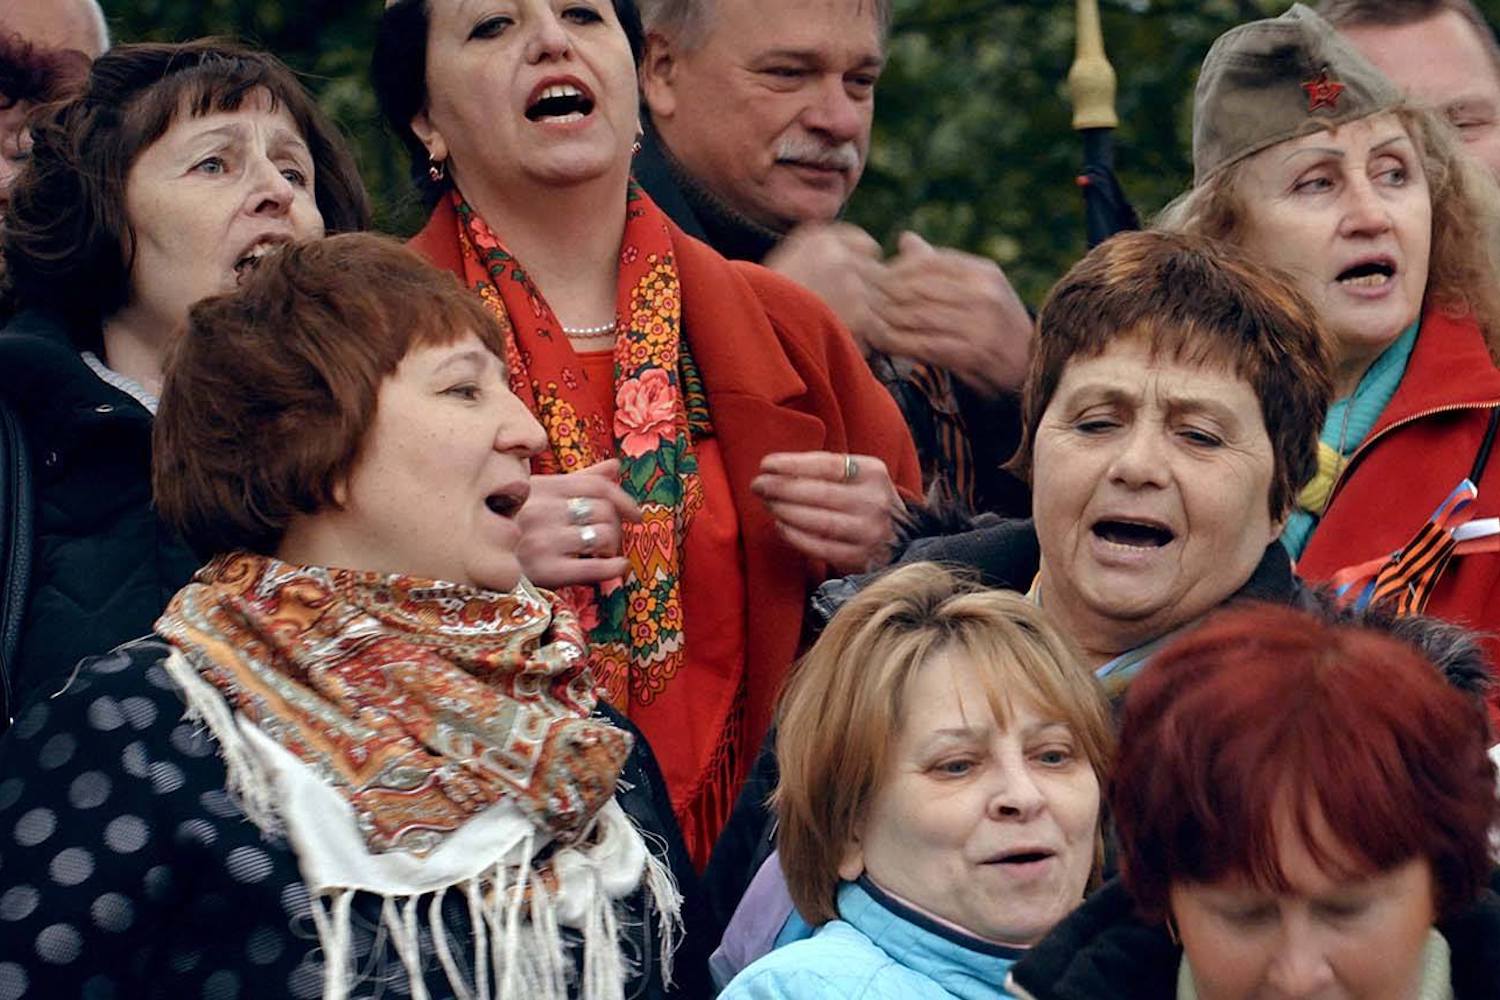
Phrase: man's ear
pixel 428 135
pixel 659 68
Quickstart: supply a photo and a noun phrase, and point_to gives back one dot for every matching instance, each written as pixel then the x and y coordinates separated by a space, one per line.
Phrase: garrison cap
pixel 1278 79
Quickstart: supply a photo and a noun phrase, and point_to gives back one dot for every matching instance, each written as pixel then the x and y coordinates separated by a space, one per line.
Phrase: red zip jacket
pixel 1422 447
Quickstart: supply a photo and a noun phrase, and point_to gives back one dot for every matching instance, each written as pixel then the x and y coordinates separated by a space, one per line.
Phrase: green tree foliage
pixel 973 145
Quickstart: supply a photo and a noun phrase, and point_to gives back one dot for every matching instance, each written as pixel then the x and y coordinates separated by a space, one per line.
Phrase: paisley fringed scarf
pixel 410 737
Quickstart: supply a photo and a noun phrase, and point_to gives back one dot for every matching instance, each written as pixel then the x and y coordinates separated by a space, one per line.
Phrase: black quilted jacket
pixel 104 565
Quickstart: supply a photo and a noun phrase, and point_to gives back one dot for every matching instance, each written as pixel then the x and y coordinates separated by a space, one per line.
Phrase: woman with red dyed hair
pixel 1303 810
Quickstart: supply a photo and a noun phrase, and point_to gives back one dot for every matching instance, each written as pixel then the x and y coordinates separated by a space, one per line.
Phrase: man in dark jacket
pixel 760 125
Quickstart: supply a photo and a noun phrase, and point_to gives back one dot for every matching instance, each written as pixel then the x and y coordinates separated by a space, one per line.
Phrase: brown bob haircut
pixel 67 236
pixel 1202 303
pixel 845 702
pixel 1266 709
pixel 269 393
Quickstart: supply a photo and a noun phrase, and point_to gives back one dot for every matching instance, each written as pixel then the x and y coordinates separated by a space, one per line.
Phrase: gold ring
pixel 588 536
pixel 580 511
pixel 851 468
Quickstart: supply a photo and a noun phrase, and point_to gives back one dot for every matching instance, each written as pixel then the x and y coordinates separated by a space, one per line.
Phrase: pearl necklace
pixel 591 331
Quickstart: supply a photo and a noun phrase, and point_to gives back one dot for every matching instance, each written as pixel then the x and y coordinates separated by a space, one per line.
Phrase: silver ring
pixel 588 536
pixel 580 511
pixel 851 468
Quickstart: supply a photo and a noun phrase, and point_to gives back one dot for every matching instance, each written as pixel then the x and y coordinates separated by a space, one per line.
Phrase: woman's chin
pixel 572 167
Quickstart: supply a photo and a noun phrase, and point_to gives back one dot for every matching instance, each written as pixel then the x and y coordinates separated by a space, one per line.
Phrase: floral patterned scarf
pixel 635 629
pixel 423 703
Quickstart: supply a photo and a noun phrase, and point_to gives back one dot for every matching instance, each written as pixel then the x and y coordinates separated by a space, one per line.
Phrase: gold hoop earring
pixel 1172 931
pixel 437 170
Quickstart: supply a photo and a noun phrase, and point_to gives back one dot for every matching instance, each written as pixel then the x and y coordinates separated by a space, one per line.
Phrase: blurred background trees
pixel 972 146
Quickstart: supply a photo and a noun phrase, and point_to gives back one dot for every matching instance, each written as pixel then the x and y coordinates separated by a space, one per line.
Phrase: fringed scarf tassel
pixel 519 949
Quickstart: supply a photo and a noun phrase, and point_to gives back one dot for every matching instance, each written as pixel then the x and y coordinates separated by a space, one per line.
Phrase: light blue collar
pixel 967 967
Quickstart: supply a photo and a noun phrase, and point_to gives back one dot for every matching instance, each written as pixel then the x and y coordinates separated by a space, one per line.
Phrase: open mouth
pixel 560 102
pixel 1368 273
pixel 1028 857
pixel 507 502
pixel 251 258
pixel 1134 534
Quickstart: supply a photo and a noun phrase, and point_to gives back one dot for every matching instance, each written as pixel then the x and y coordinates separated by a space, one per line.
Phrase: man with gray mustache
pixel 760 117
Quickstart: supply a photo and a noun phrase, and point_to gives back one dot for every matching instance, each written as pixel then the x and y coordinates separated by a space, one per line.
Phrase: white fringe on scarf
pixel 519 952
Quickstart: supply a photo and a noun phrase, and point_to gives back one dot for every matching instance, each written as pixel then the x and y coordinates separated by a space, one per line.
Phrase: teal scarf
pixel 1350 420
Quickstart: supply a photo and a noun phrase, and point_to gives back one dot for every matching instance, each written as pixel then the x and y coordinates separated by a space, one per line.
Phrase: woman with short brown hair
pixel 395 767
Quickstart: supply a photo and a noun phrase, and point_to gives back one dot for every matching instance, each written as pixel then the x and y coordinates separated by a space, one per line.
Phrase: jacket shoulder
pixel 794 312
pixel 836 963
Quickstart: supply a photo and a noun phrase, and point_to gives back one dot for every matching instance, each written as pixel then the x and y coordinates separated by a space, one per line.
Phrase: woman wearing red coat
pixel 1306 156
pixel 716 446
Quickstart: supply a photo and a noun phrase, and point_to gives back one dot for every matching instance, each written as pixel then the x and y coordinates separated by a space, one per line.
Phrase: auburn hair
pixel 269 393
pixel 1266 709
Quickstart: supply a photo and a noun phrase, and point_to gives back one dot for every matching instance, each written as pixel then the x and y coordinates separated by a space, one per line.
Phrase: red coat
pixel 781 374
pixel 1422 447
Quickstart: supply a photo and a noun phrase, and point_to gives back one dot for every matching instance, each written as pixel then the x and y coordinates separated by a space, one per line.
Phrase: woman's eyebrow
pixel 474 357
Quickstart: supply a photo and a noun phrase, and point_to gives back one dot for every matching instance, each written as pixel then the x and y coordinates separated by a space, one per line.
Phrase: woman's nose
pixel 1016 794
pixel 1300 969
pixel 519 431
pixel 1140 460
pixel 548 38
pixel 1364 212
pixel 270 192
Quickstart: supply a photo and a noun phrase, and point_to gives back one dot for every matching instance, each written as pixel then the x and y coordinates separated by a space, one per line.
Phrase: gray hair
pixel 687 22
pixel 97 13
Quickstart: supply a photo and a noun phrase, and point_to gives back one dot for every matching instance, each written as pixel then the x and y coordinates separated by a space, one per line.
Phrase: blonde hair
pixel 1463 274
pixel 844 704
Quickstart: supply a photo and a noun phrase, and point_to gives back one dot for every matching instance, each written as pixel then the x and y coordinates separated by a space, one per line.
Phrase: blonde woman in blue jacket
pixel 942 751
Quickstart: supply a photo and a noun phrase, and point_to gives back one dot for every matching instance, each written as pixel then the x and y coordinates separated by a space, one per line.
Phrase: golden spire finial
pixel 1091 81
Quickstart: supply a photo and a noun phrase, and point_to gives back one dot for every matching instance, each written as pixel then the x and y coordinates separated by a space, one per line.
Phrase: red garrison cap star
pixel 1322 93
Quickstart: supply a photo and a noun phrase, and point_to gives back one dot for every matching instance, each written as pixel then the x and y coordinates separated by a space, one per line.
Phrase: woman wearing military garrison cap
pixel 1307 157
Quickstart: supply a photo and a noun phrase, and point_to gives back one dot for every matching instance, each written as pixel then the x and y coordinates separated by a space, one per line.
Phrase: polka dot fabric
pixel 127 871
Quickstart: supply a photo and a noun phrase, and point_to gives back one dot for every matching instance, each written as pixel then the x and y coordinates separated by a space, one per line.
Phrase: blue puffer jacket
pixel 880 949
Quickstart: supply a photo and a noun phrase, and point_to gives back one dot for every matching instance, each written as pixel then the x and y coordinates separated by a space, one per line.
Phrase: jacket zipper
pixel 1404 421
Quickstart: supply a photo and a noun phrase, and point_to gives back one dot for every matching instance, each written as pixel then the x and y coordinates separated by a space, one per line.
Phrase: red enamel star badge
pixel 1322 93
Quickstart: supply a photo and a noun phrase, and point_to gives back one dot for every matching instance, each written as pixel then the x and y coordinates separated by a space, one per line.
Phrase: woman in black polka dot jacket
pixel 386 779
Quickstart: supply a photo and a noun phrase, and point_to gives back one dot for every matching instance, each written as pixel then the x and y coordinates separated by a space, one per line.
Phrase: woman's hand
pixel 570 527
pixel 838 508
